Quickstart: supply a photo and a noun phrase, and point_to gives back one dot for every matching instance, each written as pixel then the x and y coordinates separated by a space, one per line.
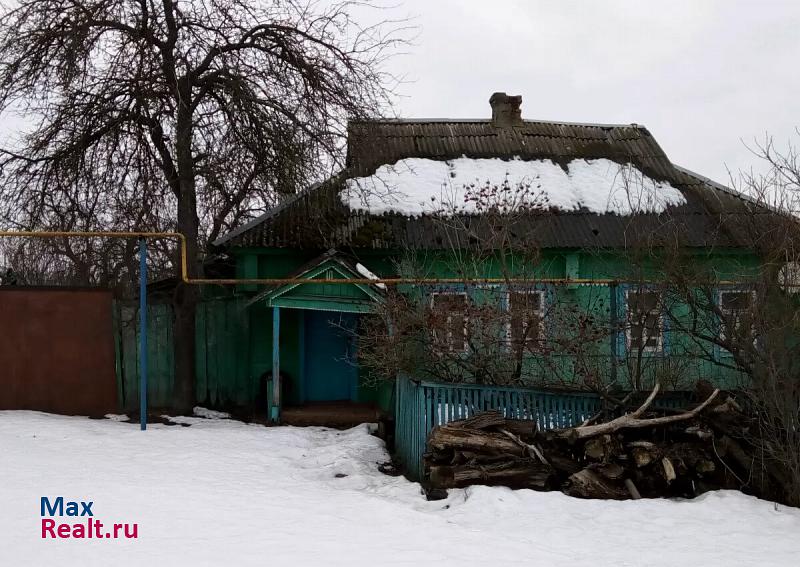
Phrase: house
pixel 601 191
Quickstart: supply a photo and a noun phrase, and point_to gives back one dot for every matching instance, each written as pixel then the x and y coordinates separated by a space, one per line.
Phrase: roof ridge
pixel 719 186
pixel 489 120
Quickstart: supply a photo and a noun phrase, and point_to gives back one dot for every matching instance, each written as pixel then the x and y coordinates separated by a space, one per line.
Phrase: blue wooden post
pixel 143 333
pixel 614 323
pixel 301 347
pixel 275 410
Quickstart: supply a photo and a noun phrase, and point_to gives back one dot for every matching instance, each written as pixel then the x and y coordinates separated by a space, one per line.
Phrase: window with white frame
pixel 645 321
pixel 736 308
pixel 525 318
pixel 449 321
pixel 789 277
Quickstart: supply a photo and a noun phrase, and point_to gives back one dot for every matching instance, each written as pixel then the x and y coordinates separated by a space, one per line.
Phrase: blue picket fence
pixel 421 406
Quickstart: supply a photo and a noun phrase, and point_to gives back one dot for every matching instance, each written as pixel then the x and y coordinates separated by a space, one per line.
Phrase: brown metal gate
pixel 57 350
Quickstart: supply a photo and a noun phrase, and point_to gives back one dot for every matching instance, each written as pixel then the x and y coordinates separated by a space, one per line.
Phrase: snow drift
pixel 222 492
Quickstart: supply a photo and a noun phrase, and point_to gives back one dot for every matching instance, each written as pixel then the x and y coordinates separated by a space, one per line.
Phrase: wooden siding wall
pixel 223 358
pixel 160 356
pixel 224 375
pixel 233 353
pixel 233 342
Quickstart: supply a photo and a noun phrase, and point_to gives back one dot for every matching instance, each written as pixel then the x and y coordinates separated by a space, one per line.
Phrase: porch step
pixel 331 414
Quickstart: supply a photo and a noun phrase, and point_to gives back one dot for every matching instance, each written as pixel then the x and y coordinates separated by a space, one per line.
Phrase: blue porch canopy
pixel 349 298
pixel 345 297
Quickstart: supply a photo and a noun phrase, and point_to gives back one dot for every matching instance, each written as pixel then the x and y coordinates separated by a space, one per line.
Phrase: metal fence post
pixel 142 333
pixel 277 402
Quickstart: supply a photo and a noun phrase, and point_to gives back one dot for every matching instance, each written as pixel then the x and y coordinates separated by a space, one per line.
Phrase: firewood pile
pixel 628 454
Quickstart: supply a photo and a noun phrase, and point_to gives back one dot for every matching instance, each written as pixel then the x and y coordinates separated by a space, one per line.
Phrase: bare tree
pixel 522 329
pixel 508 332
pixel 752 326
pixel 191 116
pixel 680 316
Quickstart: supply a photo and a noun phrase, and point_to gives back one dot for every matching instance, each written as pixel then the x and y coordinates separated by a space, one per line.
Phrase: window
pixel 735 306
pixel 449 321
pixel 526 318
pixel 645 324
pixel 789 277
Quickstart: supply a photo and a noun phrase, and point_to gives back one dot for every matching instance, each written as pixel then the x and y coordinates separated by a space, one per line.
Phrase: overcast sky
pixel 704 76
pixel 701 75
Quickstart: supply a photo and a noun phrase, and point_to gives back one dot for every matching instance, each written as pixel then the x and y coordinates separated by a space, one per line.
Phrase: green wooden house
pixel 299 335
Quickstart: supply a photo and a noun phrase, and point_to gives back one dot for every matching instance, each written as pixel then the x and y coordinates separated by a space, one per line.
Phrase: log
pixel 759 479
pixel 699 432
pixel 563 465
pixel 483 420
pixel 611 471
pixel 632 490
pixel 595 448
pixel 705 466
pixel 588 484
pixel 729 447
pixel 642 457
pixel 460 457
pixel 650 453
pixel 524 428
pixel 602 412
pixel 533 450
pixel 669 470
pixel 461 439
pixel 649 445
pixel 515 474
pixel 632 421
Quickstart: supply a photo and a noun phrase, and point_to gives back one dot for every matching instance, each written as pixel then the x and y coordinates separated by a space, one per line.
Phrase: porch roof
pixel 350 298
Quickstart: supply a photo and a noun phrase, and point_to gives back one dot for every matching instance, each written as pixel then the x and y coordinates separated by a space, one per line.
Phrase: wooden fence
pixel 222 354
pixel 421 406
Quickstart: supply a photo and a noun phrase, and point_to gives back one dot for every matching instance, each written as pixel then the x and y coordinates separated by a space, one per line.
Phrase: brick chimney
pixel 505 110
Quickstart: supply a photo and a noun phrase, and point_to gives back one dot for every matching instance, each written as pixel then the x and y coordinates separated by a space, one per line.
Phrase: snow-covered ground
pixel 225 493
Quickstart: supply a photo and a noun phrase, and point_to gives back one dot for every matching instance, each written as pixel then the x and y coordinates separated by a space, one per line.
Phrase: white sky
pixel 701 75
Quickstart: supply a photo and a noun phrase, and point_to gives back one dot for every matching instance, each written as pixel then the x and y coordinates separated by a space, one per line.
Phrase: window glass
pixel 526 318
pixel 645 324
pixel 449 321
pixel 735 306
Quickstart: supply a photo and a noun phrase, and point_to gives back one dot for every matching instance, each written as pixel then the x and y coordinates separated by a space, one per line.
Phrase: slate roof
pixel 316 219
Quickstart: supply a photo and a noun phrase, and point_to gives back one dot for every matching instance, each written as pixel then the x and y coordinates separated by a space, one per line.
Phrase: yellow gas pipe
pixel 293 281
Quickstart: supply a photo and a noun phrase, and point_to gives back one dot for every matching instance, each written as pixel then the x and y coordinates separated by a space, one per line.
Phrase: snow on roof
pixel 417 186
pixel 364 271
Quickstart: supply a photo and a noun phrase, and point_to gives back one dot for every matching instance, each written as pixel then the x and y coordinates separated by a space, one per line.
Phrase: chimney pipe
pixel 505 110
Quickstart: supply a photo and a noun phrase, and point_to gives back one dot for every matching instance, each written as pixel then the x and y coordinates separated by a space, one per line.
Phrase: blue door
pixel 330 369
